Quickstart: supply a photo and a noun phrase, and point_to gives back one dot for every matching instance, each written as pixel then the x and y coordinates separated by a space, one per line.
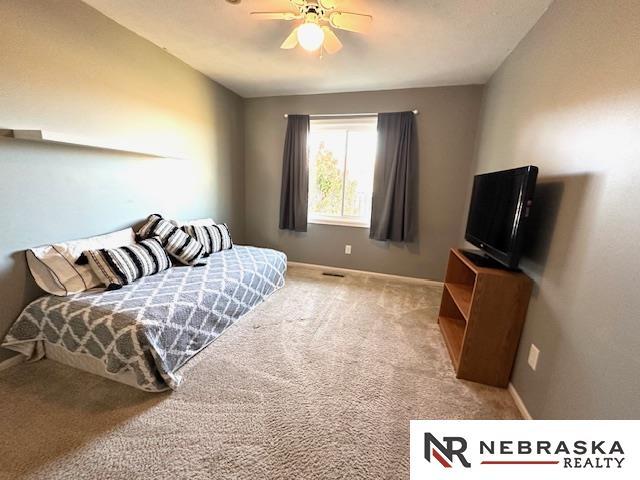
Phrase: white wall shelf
pixel 63 139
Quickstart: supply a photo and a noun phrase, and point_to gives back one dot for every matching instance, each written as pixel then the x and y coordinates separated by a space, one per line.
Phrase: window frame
pixel 355 123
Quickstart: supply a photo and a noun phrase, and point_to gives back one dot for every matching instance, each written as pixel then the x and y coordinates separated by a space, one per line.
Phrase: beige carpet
pixel 319 382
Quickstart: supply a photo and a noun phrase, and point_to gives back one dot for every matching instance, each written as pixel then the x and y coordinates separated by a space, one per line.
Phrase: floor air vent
pixel 331 274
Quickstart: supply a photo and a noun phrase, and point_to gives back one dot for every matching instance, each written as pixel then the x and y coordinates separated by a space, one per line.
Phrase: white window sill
pixel 340 222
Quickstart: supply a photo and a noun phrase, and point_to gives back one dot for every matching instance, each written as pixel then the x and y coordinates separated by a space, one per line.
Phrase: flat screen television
pixel 500 205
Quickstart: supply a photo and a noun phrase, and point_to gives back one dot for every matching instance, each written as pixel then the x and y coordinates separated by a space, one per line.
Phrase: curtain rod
pixel 320 115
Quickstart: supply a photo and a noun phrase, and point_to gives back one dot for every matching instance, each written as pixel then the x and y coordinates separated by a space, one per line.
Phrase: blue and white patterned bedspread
pixel 155 325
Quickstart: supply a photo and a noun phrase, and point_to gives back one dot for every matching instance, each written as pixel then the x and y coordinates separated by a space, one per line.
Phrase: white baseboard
pixel 522 408
pixel 11 362
pixel 420 281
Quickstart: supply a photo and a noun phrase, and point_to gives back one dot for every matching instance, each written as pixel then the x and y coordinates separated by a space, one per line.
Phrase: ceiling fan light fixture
pixel 310 36
pixel 317 18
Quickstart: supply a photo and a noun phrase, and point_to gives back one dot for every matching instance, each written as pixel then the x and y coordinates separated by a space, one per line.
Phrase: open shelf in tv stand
pixel 481 316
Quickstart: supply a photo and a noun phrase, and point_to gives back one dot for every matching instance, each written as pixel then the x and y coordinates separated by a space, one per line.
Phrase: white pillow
pixel 54 269
pixel 200 222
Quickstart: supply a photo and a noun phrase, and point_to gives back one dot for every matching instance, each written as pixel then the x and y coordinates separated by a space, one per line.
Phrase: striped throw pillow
pixel 124 265
pixel 182 247
pixel 215 238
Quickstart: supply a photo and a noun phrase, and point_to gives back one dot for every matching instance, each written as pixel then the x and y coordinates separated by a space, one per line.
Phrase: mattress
pixel 145 332
pixel 87 363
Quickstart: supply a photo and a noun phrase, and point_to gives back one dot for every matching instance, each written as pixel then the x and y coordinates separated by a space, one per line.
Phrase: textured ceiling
pixel 412 43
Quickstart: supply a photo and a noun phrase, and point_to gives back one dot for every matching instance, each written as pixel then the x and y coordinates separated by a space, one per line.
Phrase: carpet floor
pixel 318 382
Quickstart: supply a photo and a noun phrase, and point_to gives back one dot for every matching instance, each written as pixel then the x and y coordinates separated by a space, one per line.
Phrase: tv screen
pixel 500 203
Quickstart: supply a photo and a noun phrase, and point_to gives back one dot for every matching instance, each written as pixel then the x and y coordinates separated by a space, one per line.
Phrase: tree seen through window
pixel 341 172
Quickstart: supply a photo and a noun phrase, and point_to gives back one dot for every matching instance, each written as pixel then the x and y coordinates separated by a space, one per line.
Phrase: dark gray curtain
pixel 394 209
pixel 295 175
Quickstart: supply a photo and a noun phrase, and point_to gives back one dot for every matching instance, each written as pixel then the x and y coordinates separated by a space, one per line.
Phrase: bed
pixel 144 333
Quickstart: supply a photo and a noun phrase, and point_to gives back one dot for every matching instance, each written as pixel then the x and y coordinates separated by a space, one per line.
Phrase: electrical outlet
pixel 534 353
pixel 347 249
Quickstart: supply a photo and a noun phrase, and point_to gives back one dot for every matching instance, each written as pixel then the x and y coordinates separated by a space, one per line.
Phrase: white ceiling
pixel 412 43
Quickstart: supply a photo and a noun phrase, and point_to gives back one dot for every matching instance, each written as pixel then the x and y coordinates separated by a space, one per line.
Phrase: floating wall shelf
pixel 62 139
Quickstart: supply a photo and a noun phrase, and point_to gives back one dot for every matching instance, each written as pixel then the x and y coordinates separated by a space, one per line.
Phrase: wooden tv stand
pixel 481 317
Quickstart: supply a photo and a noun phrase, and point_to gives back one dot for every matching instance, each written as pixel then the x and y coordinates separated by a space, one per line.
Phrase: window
pixel 341 159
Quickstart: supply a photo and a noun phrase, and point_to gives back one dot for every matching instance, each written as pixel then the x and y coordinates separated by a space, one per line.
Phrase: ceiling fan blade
pixel 291 41
pixel 275 15
pixel 327 4
pixel 332 43
pixel 352 22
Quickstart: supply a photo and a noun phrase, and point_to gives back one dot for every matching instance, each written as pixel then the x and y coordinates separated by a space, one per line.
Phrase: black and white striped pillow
pixel 180 246
pixel 215 238
pixel 121 266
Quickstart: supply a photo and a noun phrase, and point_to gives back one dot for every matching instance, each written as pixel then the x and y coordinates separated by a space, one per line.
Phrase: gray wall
pixel 568 100
pixel 66 68
pixel 446 130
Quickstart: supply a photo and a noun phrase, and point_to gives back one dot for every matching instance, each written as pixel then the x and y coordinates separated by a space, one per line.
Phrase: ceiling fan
pixel 318 18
